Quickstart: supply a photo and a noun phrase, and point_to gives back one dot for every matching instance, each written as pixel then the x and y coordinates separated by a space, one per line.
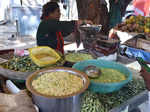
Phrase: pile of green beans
pixel 25 64
pixel 91 103
pixel 96 102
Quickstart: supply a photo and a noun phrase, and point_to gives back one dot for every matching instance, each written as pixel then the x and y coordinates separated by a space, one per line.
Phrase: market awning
pixel 142 7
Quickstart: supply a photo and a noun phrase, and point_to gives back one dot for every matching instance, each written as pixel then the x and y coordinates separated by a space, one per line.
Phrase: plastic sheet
pixel 134 53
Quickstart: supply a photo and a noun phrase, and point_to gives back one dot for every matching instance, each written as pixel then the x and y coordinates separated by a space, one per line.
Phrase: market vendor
pixel 115 12
pixel 146 77
pixel 51 30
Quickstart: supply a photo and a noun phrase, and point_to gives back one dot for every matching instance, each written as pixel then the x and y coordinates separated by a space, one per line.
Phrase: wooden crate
pixel 143 44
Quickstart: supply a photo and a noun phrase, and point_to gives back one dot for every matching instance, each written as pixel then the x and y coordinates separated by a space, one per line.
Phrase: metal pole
pixel 17 28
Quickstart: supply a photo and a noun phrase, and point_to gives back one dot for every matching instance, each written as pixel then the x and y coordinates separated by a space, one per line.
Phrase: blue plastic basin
pixel 105 87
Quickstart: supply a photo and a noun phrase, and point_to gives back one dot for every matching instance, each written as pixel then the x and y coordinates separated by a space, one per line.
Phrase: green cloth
pixel 46 33
pixel 115 13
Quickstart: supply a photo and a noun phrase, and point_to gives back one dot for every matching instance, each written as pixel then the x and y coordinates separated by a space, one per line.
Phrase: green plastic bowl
pixel 105 87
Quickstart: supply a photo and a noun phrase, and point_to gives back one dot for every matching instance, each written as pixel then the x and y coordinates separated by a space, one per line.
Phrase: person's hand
pixel 79 22
pixel 146 77
pixel 87 22
pixel 113 34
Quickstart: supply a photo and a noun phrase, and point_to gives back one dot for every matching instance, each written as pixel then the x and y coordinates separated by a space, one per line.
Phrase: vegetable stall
pixel 117 101
pixel 55 82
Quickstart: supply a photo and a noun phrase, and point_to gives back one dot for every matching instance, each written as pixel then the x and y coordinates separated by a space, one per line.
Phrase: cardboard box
pixel 143 44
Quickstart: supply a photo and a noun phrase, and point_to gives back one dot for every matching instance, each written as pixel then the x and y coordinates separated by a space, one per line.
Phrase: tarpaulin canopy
pixel 142 7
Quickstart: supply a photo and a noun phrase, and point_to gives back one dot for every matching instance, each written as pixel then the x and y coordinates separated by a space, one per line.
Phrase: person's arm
pixel 146 77
pixel 67 27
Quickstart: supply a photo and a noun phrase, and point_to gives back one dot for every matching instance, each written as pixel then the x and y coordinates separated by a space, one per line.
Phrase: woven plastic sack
pixel 105 87
pixel 20 102
pixel 43 56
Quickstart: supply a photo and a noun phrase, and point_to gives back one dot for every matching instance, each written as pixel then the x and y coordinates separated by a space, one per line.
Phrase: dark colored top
pixel 46 33
pixel 115 13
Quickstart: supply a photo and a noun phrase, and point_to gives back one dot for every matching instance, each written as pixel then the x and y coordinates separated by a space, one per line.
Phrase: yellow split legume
pixel 76 57
pixel 57 83
pixel 109 75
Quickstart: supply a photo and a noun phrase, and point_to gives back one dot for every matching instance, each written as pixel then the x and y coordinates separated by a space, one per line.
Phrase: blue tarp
pixel 134 53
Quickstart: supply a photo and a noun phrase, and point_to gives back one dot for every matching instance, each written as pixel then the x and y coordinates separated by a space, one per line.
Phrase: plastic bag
pixel 43 56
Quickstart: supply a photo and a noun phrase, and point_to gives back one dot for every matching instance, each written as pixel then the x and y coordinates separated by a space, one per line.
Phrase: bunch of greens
pixel 95 102
pixel 25 64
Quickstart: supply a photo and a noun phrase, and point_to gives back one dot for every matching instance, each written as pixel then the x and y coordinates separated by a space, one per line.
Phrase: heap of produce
pixel 76 57
pixel 25 64
pixel 109 76
pixel 57 83
pixel 138 24
pixel 91 103
pixel 95 102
